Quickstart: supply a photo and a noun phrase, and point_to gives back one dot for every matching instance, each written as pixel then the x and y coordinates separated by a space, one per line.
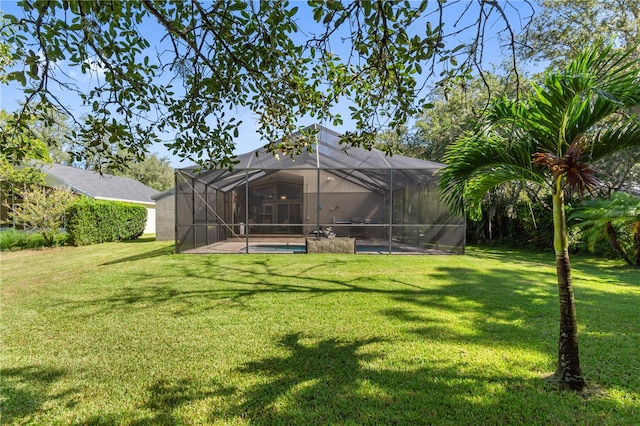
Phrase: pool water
pixel 277 248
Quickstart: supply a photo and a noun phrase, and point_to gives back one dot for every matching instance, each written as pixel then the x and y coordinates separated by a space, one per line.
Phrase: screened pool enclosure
pixel 387 204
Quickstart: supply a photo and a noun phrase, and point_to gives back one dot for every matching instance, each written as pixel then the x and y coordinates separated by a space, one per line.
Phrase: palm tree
pixel 571 119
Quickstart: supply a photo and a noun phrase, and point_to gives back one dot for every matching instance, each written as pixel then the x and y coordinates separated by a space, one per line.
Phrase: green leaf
pixel 317 14
pixel 458 47
pixel 33 68
pixel 237 5
pixel 17 76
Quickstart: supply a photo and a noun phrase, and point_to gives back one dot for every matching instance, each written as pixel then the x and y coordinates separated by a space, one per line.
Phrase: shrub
pixel 41 209
pixel 92 221
pixel 611 226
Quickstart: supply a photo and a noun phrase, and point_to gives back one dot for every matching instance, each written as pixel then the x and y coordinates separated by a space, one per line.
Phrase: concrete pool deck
pixel 275 244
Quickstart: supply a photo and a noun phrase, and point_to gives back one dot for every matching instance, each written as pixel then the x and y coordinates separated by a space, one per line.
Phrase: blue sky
pixel 248 139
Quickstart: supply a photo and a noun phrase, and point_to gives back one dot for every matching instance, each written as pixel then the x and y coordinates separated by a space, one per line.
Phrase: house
pixel 391 201
pixel 102 187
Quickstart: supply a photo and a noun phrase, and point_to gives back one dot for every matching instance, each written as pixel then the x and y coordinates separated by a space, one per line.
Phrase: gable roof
pixel 96 185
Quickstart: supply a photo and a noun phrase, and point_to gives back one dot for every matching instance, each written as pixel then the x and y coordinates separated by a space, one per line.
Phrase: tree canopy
pixel 282 61
pixel 559 31
pixel 153 171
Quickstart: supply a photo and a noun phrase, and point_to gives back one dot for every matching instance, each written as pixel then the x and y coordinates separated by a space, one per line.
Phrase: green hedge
pixel 92 221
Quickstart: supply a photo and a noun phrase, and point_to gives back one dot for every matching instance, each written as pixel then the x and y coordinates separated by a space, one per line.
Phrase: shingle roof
pixel 98 185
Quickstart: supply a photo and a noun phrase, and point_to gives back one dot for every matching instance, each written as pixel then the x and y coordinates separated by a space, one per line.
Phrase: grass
pixel 128 333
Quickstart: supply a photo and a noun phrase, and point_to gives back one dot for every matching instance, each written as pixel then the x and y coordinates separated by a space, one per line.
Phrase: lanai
pixel 389 202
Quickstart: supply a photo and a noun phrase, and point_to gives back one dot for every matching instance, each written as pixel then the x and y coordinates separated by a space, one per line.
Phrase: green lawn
pixel 128 333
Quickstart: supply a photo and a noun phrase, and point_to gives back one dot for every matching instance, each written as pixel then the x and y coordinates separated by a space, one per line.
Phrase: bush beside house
pixel 92 221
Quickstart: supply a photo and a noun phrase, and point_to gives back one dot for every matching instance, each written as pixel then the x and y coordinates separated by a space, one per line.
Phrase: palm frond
pixel 494 176
pixel 560 125
pixel 479 162
pixel 615 138
pixel 621 208
pixel 565 105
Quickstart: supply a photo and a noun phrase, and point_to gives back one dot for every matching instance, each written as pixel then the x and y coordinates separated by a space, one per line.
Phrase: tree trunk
pixel 568 373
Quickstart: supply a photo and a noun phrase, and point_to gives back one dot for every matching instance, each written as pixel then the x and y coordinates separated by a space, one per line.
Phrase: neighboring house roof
pixel 96 185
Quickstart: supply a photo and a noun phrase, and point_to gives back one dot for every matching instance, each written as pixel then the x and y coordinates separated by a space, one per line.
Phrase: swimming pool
pixel 276 248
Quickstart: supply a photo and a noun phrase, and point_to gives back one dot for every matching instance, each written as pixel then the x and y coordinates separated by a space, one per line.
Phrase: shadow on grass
pixel 330 382
pixel 499 302
pixel 515 310
pixel 606 269
pixel 142 256
pixel 25 390
pixel 165 399
pixel 500 307
pixel 139 240
pixel 230 285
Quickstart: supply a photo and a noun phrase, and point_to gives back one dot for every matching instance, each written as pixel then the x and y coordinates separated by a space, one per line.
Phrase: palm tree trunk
pixel 568 373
